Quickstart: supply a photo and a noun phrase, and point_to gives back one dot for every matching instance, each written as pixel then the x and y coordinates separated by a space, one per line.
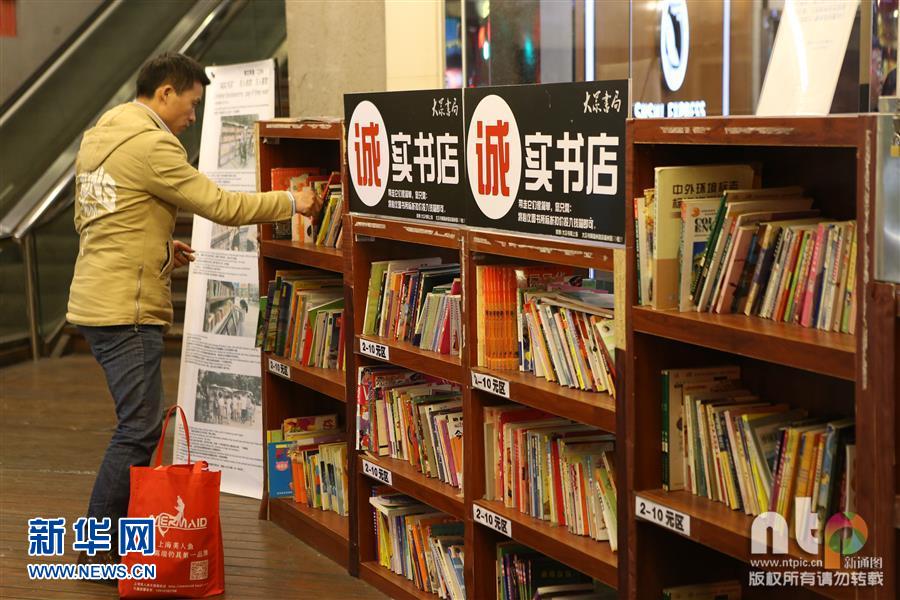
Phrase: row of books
pixel 419 543
pixel 770 254
pixel 323 229
pixel 552 469
pixel 416 301
pixel 301 318
pixel 411 417
pixel 548 321
pixel 524 574
pixel 709 240
pixel 307 461
pixel 723 442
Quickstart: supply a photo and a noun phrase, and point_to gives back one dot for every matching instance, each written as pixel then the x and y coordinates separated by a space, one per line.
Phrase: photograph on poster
pixel 236 150
pixel 234 239
pixel 232 308
pixel 227 399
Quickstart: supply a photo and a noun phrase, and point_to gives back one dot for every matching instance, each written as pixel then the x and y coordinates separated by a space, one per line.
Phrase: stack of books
pixel 328 231
pixel 752 455
pixel 552 469
pixel 307 460
pixel 728 249
pixel 301 318
pixel 549 322
pixel 411 417
pixel 416 301
pixel 523 574
pixel 323 229
pixel 419 543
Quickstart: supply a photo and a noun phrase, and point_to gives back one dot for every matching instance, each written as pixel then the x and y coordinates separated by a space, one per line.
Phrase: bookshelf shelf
pixel 391 584
pixel 406 480
pixel 588 256
pixel 298 129
pixel 319 257
pixel 715 525
pixel 404 354
pixel 426 234
pixel 592 408
pixel 581 553
pixel 727 531
pixel 805 348
pixel 330 382
pixel 326 531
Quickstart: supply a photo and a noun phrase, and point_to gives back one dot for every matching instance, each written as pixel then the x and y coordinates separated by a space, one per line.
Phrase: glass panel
pixel 13 315
pixel 61 109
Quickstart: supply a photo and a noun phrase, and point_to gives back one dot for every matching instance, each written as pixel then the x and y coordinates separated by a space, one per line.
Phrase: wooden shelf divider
pixel 330 382
pixel 391 584
pixel 319 257
pixel 579 552
pixel 805 348
pixel 407 480
pixel 592 408
pixel 404 354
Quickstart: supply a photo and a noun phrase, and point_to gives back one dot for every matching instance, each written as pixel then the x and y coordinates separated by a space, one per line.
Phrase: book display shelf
pixel 828 374
pixel 291 389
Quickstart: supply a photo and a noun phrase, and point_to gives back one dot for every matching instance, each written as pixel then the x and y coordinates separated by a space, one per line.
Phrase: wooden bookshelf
pixel 404 354
pixel 386 581
pixel 330 382
pixel 716 525
pixel 307 390
pixel 324 530
pixel 319 257
pixel 592 408
pixel 826 373
pixel 831 158
pixel 805 348
pixel 407 480
pixel 579 552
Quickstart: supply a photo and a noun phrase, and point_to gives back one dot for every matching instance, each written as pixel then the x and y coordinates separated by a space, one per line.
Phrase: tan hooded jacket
pixel 132 176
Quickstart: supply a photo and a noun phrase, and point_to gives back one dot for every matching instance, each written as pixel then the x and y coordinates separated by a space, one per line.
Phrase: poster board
pixel 220 384
pixel 807 56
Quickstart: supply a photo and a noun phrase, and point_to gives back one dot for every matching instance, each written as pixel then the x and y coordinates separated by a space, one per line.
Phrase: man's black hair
pixel 178 70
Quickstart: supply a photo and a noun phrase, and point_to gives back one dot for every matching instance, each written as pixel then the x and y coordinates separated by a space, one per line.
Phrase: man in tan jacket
pixel 132 176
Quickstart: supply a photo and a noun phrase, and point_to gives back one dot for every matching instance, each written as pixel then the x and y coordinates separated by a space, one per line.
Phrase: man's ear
pixel 165 92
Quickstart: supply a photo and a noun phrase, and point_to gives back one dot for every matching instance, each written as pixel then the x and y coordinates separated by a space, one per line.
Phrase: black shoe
pixel 105 557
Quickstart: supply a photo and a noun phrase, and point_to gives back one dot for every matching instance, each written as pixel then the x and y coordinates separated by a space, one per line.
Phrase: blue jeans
pixel 131 357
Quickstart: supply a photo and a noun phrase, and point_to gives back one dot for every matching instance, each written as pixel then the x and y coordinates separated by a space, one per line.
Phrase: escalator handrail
pixel 220 16
pixel 55 61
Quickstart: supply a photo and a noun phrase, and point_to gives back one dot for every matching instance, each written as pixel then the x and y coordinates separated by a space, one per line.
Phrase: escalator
pixel 41 130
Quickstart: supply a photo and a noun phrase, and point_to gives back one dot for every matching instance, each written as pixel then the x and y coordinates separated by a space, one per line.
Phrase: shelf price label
pixel 375 350
pixel 493 385
pixel 378 473
pixel 663 516
pixel 280 369
pixel 492 520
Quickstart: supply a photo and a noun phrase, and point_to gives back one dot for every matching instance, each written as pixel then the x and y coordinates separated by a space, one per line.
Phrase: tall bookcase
pixel 289 388
pixel 828 374
pixel 833 158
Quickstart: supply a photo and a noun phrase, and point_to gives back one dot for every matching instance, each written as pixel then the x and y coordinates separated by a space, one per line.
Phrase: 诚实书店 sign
pixel 548 159
pixel 405 154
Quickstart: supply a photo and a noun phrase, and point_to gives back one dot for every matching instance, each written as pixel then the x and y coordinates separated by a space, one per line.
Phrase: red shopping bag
pixel 183 500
